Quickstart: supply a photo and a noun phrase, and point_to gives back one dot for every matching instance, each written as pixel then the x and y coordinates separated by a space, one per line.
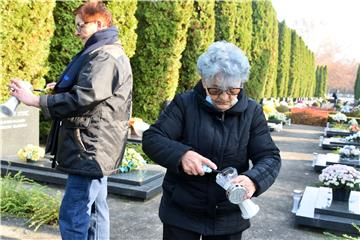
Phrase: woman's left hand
pixel 247 183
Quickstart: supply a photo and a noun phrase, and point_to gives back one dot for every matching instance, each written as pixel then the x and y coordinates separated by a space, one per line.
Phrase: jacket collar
pixel 238 108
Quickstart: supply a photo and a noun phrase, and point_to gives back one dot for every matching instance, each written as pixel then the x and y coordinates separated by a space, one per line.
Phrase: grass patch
pixel 22 197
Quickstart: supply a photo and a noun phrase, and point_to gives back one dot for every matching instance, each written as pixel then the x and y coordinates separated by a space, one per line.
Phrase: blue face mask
pixel 209 100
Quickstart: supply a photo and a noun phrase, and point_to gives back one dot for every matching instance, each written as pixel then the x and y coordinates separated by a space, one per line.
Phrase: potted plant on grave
pixel 353 138
pixel 341 179
pixel 31 153
pixel 338 121
pixel 353 126
pixel 277 117
pixel 349 151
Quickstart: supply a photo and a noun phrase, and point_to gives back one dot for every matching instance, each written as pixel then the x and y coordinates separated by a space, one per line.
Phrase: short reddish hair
pixel 93 11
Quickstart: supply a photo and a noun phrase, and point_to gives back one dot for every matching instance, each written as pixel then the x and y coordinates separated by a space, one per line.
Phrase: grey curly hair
pixel 226 61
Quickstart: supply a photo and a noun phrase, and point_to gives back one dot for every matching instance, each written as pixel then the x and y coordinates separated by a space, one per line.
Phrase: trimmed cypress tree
pixel 271 87
pixel 243 27
pixel 357 84
pixel 161 40
pixel 284 59
pixel 26 29
pixel 321 81
pixel 264 50
pixel 294 64
pixel 64 45
pixel 123 15
pixel 225 17
pixel 324 80
pixel 199 36
pixel 318 82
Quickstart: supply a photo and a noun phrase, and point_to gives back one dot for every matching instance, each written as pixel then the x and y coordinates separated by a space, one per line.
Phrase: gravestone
pixel 318 209
pixel 334 143
pixel 138 184
pixel 332 132
pixel 321 161
pixel 19 130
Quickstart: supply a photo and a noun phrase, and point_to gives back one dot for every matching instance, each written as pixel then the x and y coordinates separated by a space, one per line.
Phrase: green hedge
pixel 123 15
pixel 225 17
pixel 263 50
pixel 161 40
pixel 243 26
pixel 26 29
pixel 64 44
pixel 357 84
pixel 199 36
pixel 284 59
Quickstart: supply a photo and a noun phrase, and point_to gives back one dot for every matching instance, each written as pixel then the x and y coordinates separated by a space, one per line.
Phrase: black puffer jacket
pixel 231 138
pixel 93 116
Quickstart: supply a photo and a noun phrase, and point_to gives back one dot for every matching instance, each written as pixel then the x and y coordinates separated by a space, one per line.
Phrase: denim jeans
pixel 84 213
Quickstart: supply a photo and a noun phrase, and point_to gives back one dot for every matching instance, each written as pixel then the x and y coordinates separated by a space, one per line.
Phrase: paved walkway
pixel 137 220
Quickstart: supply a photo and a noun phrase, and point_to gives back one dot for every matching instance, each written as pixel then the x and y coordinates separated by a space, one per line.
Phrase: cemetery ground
pixel 135 220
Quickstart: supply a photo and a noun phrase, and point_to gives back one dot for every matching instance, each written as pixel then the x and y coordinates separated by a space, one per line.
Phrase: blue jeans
pixel 84 213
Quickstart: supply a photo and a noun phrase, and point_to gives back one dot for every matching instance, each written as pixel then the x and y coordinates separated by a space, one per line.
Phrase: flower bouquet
pixel 132 160
pixel 31 153
pixel 339 117
pixel 339 176
pixel 277 117
pixel 349 151
pixel 353 138
pixel 354 128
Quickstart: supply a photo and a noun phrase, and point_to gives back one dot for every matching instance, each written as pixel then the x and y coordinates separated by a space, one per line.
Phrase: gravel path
pixel 137 220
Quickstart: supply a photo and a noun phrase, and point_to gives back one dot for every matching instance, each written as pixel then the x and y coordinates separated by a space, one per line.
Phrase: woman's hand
pixel 22 91
pixel 247 183
pixel 192 163
pixel 50 86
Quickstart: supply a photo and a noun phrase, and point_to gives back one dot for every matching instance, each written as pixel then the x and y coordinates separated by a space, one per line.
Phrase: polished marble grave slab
pixel 317 209
pixel 142 184
pixel 321 161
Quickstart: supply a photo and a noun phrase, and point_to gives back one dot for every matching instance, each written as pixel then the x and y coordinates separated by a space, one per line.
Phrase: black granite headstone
pixel 332 132
pixel 317 209
pixel 321 161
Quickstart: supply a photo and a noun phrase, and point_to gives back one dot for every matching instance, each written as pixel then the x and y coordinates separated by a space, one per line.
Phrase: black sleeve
pixel 160 141
pixel 96 82
pixel 263 153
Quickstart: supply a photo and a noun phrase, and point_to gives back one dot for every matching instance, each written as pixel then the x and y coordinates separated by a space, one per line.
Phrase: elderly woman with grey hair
pixel 216 125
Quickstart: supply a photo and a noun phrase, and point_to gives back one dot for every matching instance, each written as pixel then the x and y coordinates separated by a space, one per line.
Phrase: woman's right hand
pixel 192 163
pixel 50 85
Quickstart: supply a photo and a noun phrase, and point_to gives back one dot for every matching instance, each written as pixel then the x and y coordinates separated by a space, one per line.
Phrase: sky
pixel 321 22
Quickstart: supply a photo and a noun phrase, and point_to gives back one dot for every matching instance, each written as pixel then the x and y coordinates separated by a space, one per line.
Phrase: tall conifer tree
pixel 357 84
pixel 200 35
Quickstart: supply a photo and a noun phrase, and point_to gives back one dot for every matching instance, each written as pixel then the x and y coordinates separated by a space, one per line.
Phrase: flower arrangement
pixel 277 116
pixel 339 117
pixel 267 108
pixel 31 152
pixel 354 128
pixel 132 160
pixel 339 176
pixel 349 151
pixel 353 138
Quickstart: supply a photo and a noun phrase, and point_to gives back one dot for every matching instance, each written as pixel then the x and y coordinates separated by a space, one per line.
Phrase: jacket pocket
pixel 77 135
pixel 191 199
pixel 78 126
pixel 77 122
